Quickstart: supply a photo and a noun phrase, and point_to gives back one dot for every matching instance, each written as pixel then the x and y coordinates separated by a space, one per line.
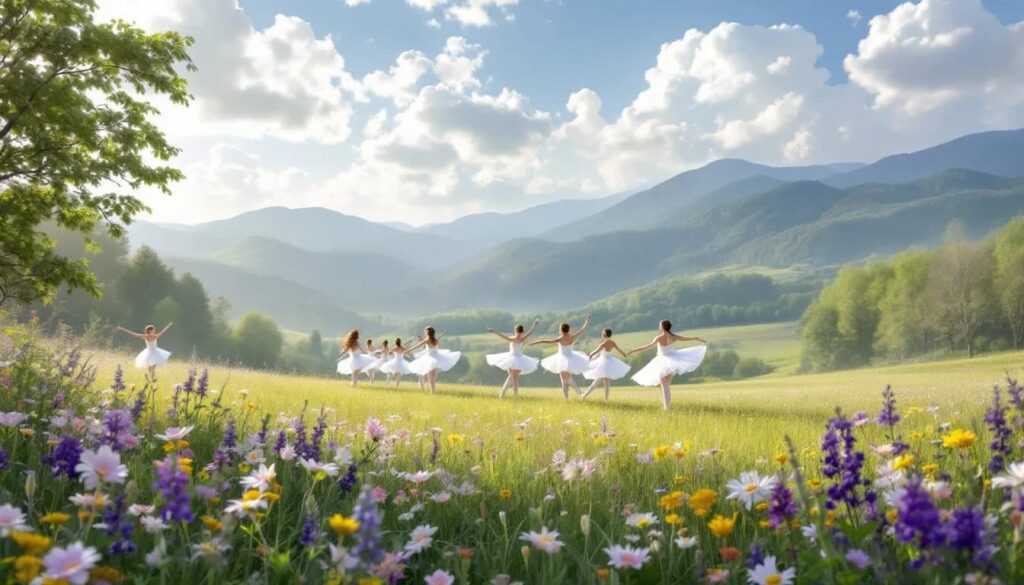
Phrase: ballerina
pixel 566 362
pixel 371 369
pixel 396 366
pixel 383 355
pixel 606 367
pixel 669 361
pixel 514 361
pixel 433 359
pixel 152 356
pixel 422 378
pixel 357 359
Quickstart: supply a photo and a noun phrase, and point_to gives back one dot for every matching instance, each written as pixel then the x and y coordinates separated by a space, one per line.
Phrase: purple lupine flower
pixel 118 426
pixel 348 481
pixel 969 533
pixel 172 483
pixel 118 384
pixel 301 444
pixel 230 440
pixel 756 556
pixel 65 457
pixel 204 384
pixel 858 558
pixel 367 547
pixel 918 519
pixel 317 437
pixel 781 507
pixel 264 430
pixel 310 532
pixel 172 412
pixel 843 463
pixel 118 524
pixel 890 418
pixel 281 443
pixel 138 406
pixel 189 385
pixel 995 418
pixel 5 459
pixel 68 366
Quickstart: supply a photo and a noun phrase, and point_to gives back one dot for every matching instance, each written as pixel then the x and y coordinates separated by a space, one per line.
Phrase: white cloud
pixel 921 56
pixel 853 16
pixel 780 65
pixel 282 81
pixel 778 115
pixel 400 82
pixel 356 2
pixel 427 5
pixel 477 13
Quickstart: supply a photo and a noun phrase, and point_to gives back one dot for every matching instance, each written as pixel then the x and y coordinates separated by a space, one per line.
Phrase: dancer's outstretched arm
pixel 580 331
pixel 683 338
pixel 616 347
pixel 643 347
pixel 421 343
pixel 501 335
pixel 529 331
pixel 164 330
pixel 130 332
pixel 546 341
pixel 595 352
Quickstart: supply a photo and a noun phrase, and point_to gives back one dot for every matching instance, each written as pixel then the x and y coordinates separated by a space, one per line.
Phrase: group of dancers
pixel 600 366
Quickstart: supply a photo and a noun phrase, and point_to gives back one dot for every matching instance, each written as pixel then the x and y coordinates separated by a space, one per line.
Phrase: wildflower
pixel 27 568
pixel 767 573
pixel 119 426
pixel 671 500
pixel 368 536
pixel 904 461
pixel 158 556
pixel 544 540
pixel 625 557
pixel 375 430
pixel 319 470
pixel 715 575
pixel 858 558
pixel 843 463
pixel 153 524
pixel 781 508
pixel 246 507
pixel 721 526
pixel 210 551
pixel 969 533
pixel 686 542
pixel 888 415
pixel 995 418
pixel 673 519
pixel 751 488
pixel 65 458
pixel 641 521
pixel 172 483
pixel 729 553
pixel 55 518
pixel 30 543
pixel 420 539
pixel 505 494
pixel 11 419
pixel 12 519
pixel 212 524
pixel 439 577
pixel 1012 479
pixel 781 458
pixel 701 501
pixel 100 467
pixel 929 469
pixel 119 526
pixel 261 479
pixel 959 439
pixel 418 478
pixel 454 439
pixel 918 519
pixel 71 564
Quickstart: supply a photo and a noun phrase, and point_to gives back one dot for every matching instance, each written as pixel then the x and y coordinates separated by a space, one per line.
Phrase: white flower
pixel 889 478
pixel 287 453
pixel 686 542
pixel 261 479
pixel 1012 479
pixel 212 551
pixel 342 561
pixel 884 450
pixel 11 419
pixel 641 521
pixel 543 540
pixel 12 519
pixel 767 573
pixel 558 459
pixel 441 497
pixel 100 467
pixel 152 524
pixel 627 557
pixel 418 478
pixel 751 488
pixel 88 501
pixel 439 577
pixel 939 490
pixel 810 532
pixel 343 456
pixel 175 433
pixel 255 456
pixel 71 564
pixel 317 468
pixel 243 508
pixel 140 510
pixel 420 539
pixel 158 556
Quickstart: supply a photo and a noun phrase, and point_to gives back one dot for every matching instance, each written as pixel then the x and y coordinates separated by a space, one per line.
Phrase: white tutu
pixel 670 362
pixel 396 364
pixel 566 360
pixel 513 359
pixel 355 361
pixel 378 361
pixel 151 356
pixel 435 359
pixel 605 365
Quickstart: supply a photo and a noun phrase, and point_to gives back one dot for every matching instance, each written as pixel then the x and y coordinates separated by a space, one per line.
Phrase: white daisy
pixel 175 433
pixel 100 467
pixel 767 573
pixel 544 540
pixel 420 539
pixel 261 479
pixel 627 557
pixel 12 519
pixel 751 488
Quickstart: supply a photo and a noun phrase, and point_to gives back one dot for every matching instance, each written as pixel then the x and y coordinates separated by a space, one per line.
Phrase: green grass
pixel 746 419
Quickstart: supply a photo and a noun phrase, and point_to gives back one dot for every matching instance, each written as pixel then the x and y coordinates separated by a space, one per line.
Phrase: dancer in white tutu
pixel 669 361
pixel 357 360
pixel 152 356
pixel 514 361
pixel 433 360
pixel 371 369
pixel 604 367
pixel 566 362
pixel 395 365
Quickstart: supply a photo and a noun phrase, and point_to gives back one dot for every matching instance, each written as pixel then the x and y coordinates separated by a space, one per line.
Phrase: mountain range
pixel 566 253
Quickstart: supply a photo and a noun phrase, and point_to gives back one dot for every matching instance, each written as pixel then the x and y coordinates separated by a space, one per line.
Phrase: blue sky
pixel 423 110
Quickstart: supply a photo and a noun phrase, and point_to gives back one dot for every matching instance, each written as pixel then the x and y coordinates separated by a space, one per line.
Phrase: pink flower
pixel 70 564
pixel 11 419
pixel 439 577
pixel 102 466
pixel 627 557
pixel 12 519
pixel 375 429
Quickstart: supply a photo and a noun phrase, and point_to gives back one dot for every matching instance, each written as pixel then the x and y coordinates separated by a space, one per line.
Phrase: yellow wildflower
pixel 762 506
pixel 31 544
pixel 505 494
pixel 958 439
pixel 930 468
pixel 600 440
pixel 342 525
pixel 916 436
pixel 455 439
pixel 904 461
pixel 661 452
pixel 185 464
pixel 891 515
pixel 721 526
pixel 271 497
pixel 702 500
pixel 679 480
pixel 671 501
pixel 369 581
pixel 105 575
pixel 673 519
pixel 27 568
pixel 244 468
pixel 781 458
pixel 212 524
pixel 55 518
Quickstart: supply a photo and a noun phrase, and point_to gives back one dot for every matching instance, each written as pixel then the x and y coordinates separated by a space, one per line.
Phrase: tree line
pixel 962 297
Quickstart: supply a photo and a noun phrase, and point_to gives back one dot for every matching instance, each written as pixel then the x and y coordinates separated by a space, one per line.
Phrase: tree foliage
pixel 77 140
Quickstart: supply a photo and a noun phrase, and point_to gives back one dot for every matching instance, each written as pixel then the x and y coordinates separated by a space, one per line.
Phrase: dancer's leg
pixel 355 377
pixel 152 373
pixel 515 382
pixel 591 387
pixel 564 377
pixel 572 382
pixel 666 391
pixel 607 388
pixel 504 387
pixel 432 378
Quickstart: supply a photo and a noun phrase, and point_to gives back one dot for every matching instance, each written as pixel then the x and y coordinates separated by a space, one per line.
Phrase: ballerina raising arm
pixel 513 361
pixel 152 356
pixel 608 344
pixel 146 335
pixel 570 337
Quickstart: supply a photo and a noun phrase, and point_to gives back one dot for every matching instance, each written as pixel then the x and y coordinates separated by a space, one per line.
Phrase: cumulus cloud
pixel 282 81
pixel 853 16
pixel 921 56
